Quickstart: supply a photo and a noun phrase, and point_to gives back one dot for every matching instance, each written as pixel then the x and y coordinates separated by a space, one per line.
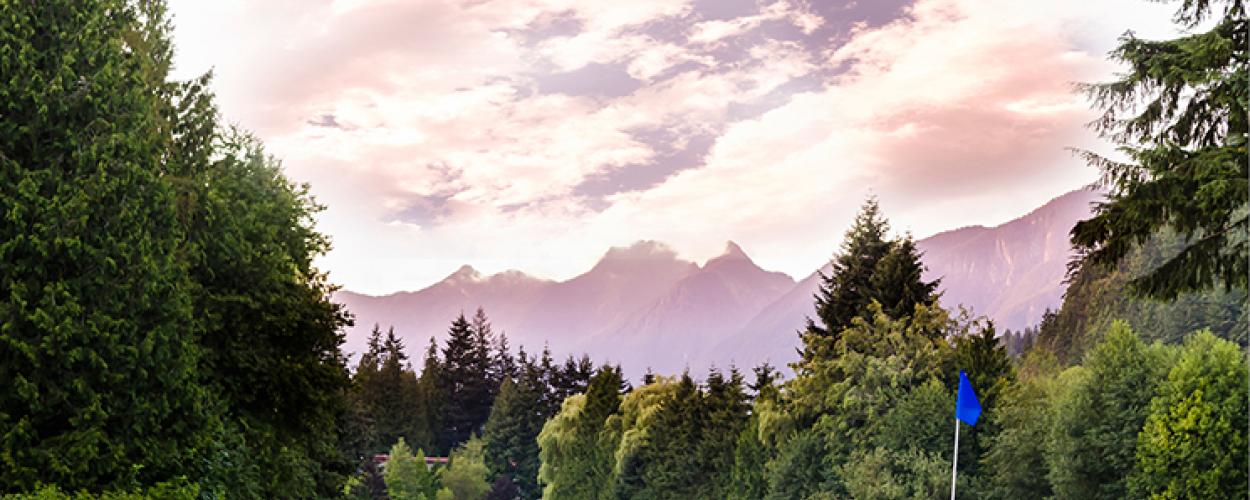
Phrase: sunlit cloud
pixel 533 134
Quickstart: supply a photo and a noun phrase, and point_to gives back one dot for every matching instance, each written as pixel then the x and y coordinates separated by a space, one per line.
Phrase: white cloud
pixel 446 153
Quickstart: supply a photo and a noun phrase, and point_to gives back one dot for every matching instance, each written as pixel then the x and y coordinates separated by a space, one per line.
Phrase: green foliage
pixel 465 477
pixel 576 461
pixel 748 479
pixel 1095 297
pixel 880 473
pixel 869 269
pixel 1179 114
pixel 269 333
pixel 97 351
pixel 407 476
pixel 1090 450
pixel 511 437
pixel 800 468
pixel 173 490
pixel 1194 441
pixel 466 380
pixel 1015 461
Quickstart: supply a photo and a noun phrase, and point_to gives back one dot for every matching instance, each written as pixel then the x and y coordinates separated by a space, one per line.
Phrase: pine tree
pixel 505 364
pixel 671 466
pixel 395 410
pixel 1180 116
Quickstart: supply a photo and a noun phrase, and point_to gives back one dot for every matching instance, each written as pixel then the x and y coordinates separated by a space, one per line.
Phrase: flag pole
pixel 955 459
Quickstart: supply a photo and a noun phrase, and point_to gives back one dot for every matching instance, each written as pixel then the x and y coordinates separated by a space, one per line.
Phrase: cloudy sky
pixel 534 134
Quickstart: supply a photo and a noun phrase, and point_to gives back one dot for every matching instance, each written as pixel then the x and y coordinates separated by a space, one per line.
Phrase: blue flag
pixel 967 407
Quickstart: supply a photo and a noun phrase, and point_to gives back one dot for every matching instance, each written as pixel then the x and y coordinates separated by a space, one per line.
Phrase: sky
pixel 536 134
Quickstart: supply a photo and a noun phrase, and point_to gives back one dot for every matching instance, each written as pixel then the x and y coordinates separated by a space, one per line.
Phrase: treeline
pixel 869 412
pixel 162 327
pixel 473 387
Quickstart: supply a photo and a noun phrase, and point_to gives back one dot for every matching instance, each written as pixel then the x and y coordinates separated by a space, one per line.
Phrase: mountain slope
pixel 719 297
pixel 1010 273
pixel 643 306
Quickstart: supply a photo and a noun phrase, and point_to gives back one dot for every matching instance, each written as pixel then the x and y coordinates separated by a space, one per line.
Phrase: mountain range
pixel 644 307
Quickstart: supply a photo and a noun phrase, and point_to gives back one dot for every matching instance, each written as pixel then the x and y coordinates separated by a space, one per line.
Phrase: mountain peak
pixel 466 273
pixel 732 253
pixel 733 250
pixel 639 250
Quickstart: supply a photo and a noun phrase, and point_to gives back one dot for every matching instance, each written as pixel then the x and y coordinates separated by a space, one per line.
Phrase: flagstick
pixel 955 460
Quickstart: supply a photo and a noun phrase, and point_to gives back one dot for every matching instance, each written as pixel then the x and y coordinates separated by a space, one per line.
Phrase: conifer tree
pixel 433 402
pixel 869 269
pixel 1179 114
pixel 726 409
pixel 96 333
pixel 897 283
pixel 465 376
pixel 511 437
pixel 671 466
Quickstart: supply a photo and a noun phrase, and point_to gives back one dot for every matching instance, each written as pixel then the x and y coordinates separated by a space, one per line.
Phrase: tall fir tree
pixel 430 392
pixel 466 381
pixel 1179 115
pixel 869 269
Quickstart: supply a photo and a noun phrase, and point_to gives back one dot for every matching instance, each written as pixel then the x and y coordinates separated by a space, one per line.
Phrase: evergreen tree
pixel 989 369
pixel 748 480
pixel 896 282
pixel 100 362
pixel 465 375
pixel 576 462
pixel 573 377
pixel 1180 116
pixel 671 465
pixel 766 379
pixel 847 290
pixel 429 392
pixel 504 363
pixel 511 437
pixel 394 387
pixel 869 269
pixel 726 410
pixel 1194 441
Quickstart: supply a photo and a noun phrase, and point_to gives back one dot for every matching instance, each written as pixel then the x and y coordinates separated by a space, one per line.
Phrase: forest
pixel 164 332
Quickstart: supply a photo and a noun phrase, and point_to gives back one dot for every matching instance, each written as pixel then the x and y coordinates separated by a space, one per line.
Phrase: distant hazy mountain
pixel 1010 273
pixel 719 297
pixel 644 307
pixel 508 298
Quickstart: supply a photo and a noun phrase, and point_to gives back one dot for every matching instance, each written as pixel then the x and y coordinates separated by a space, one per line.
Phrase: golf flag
pixel 968 408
